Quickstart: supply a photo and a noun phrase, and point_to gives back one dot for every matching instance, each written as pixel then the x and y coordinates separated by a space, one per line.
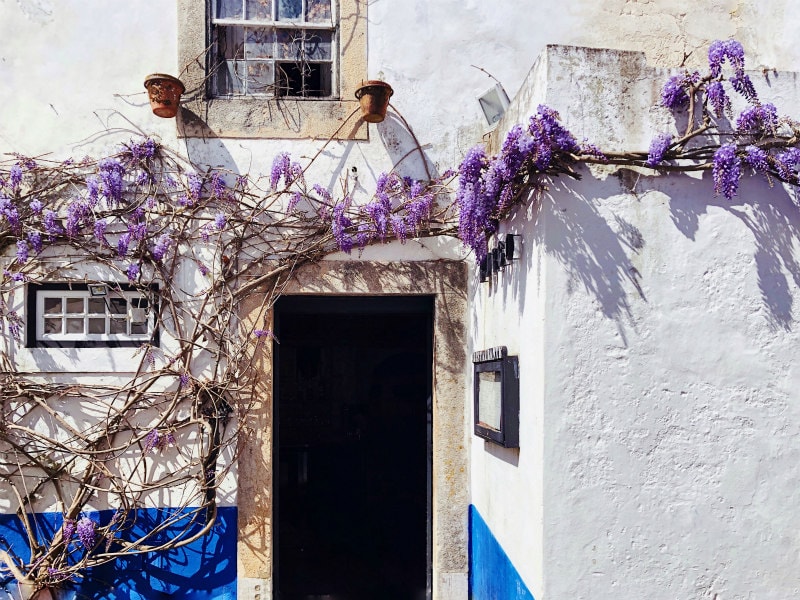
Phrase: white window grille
pixel 274 48
pixel 76 316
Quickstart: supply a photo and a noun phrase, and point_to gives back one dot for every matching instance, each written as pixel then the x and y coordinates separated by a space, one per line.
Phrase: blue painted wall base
pixel 491 574
pixel 202 570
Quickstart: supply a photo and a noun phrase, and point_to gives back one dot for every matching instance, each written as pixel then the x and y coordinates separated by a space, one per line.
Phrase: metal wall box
pixel 496 393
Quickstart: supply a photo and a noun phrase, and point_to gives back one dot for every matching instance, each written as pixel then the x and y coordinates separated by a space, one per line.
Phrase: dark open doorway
pixel 352 448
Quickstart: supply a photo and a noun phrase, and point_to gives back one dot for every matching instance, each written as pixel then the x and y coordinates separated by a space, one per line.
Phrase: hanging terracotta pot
pixel 165 94
pixel 374 98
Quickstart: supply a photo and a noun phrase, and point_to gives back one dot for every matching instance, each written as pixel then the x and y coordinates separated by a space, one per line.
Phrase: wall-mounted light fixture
pixel 494 103
pixel 499 257
pixel 496 393
pixel 98 290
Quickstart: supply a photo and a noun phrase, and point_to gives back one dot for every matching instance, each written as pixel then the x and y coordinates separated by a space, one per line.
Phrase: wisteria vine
pixel 145 215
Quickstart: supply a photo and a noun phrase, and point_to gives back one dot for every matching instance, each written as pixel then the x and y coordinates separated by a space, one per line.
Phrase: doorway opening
pixel 352 447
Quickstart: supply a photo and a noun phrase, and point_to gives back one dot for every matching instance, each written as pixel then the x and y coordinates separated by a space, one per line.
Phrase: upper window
pixel 79 315
pixel 272 68
pixel 274 48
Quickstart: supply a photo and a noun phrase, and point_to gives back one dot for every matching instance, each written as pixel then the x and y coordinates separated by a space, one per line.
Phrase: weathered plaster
pixel 446 281
pixel 204 116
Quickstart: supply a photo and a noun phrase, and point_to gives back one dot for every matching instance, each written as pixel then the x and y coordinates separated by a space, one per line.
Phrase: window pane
pixel 260 77
pixel 318 10
pixel 75 305
pixel 118 325
pixel 230 42
pixel 318 45
pixel 52 325
pixel 230 77
pixel 229 9
pixel 259 9
pixel 290 43
pixel 52 305
pixel 97 326
pixel 74 325
pixel 259 43
pixel 140 329
pixel 119 306
pixel 97 306
pixel 289 9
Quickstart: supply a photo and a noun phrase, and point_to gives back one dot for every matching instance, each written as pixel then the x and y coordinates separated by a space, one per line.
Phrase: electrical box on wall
pixel 496 393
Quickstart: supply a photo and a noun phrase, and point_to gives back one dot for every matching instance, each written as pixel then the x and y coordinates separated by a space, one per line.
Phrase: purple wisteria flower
pixel 718 99
pixel 144 149
pixel 364 235
pixel 742 84
pixel 92 189
pixel 787 164
pixel 22 251
pixel 194 183
pixel 36 206
pixel 400 227
pixel 220 221
pixel 51 224
pixel 100 227
pixel 184 380
pixel 293 202
pixel 280 165
pixel 658 148
pixel 756 158
pixel 162 245
pixel 35 240
pixel 133 272
pixel 122 245
pixel 156 441
pixel 721 50
pixel 15 177
pixel 111 174
pixel 339 224
pixel 219 189
pixel 474 206
pixel 673 94
pixel 761 119
pixel 86 532
pixel 10 213
pixel 262 333
pixel 726 171
pixel 68 529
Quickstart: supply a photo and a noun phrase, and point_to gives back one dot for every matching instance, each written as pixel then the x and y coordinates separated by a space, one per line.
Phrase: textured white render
pixel 658 340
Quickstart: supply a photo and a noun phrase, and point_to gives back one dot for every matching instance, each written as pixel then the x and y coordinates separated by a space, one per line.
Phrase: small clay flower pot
pixel 373 95
pixel 165 94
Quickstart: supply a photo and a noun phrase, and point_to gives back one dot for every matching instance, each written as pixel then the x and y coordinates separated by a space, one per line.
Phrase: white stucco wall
pixel 657 334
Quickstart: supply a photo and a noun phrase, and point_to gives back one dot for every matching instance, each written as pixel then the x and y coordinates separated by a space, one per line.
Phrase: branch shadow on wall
pixel 771 214
pixel 595 252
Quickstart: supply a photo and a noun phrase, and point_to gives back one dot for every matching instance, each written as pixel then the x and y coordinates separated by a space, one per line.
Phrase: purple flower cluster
pixel 133 272
pixel 339 224
pixel 757 159
pixel 15 177
pixel 787 163
pixel 111 175
pixel 156 441
pixel 283 167
pixel 9 211
pixel 761 119
pixel 673 94
pixel 718 99
pixel 220 221
pixel 142 150
pixel 731 51
pixel 549 137
pixel 162 244
pixel 87 534
pixel 68 529
pixel 262 333
pixel 721 50
pixel 726 171
pixel 658 148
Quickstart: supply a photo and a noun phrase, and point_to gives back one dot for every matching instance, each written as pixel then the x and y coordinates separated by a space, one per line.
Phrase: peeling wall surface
pixel 654 322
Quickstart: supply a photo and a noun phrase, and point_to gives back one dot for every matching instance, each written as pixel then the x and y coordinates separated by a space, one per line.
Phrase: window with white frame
pixel 79 315
pixel 274 48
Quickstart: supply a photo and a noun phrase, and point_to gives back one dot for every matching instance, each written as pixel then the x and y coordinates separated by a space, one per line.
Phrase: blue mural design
pixel 492 576
pixel 202 570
